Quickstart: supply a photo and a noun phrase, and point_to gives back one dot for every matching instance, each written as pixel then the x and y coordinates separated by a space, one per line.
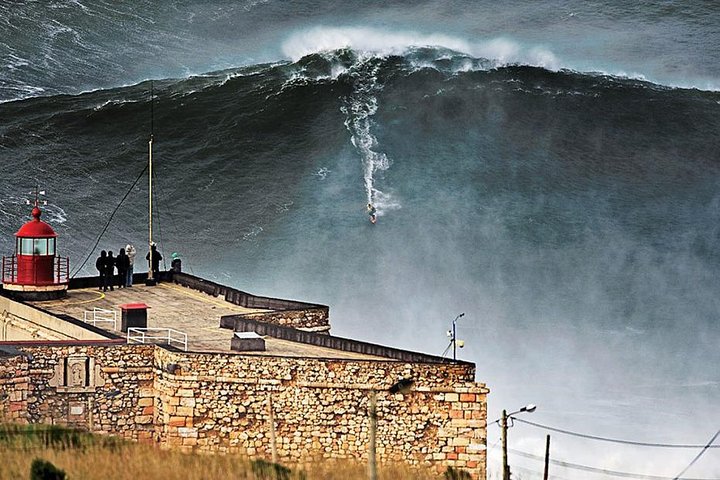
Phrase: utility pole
pixel 151 280
pixel 529 408
pixel 372 413
pixel 504 427
pixel 547 457
pixel 150 239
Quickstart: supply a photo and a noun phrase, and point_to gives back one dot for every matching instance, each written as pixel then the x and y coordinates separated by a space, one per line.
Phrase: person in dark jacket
pixel 156 257
pixel 100 265
pixel 110 269
pixel 122 262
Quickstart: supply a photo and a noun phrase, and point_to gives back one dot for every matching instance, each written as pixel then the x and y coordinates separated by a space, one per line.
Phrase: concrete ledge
pixel 60 327
pixel 247 300
pixel 240 323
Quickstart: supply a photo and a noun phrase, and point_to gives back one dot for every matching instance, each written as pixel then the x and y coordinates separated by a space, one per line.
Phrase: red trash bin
pixel 133 315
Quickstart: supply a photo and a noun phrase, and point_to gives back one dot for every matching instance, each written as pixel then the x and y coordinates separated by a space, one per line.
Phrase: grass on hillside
pixel 90 457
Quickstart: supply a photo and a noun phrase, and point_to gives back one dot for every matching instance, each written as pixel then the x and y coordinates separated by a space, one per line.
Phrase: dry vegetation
pixel 86 457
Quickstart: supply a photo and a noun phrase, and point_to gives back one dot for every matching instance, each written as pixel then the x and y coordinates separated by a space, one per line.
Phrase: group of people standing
pixel 124 263
pixel 106 265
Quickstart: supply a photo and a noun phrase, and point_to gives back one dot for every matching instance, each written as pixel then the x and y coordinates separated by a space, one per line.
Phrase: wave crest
pixel 500 51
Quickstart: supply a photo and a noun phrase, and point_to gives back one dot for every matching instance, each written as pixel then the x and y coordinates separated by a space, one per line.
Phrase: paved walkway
pixel 189 311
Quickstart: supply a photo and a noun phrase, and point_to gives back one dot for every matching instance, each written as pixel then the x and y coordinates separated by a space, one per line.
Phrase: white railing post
pixel 101 315
pixel 166 335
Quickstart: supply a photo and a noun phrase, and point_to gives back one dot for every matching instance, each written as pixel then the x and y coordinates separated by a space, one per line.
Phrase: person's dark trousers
pixel 105 281
pixel 121 278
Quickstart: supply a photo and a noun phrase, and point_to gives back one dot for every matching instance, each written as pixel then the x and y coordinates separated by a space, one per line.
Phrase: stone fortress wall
pixel 220 402
pixel 58 370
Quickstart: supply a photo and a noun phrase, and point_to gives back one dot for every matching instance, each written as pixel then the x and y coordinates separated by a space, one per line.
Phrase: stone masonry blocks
pixel 219 403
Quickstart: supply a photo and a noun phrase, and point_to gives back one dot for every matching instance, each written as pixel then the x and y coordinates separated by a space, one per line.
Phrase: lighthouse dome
pixel 36 228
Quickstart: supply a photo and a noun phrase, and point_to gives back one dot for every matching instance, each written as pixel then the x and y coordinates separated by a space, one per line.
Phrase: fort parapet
pixel 55 368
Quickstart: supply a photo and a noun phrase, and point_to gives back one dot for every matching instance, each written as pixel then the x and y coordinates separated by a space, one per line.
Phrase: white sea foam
pixel 359 109
pixel 630 76
pixel 283 207
pixel 15 61
pixel 112 103
pixel 253 233
pixel 67 4
pixel 301 77
pixel 207 186
pixel 253 3
pixel 55 29
pixel 55 214
pixel 15 208
pixel 322 173
pixel 500 50
pixel 23 91
pixel 219 79
pixel 10 206
pixel 363 39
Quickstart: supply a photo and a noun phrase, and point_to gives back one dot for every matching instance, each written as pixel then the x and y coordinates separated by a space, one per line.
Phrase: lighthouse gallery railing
pixel 61 270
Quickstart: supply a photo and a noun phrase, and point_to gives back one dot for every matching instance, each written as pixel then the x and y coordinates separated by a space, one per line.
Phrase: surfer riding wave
pixel 372 211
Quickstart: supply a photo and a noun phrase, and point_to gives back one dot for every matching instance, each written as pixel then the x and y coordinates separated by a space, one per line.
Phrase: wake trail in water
pixel 359 107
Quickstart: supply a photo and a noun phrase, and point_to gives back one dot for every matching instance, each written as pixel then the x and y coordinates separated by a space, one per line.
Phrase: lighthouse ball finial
pixel 36 212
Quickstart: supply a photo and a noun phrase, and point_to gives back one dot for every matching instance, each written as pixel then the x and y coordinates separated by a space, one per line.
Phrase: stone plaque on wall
pixel 76 409
pixel 76 374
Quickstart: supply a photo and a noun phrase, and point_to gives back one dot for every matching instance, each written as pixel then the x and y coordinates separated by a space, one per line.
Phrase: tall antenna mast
pixel 150 279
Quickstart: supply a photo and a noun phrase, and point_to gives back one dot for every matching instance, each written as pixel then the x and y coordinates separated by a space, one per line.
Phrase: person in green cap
pixel 176 264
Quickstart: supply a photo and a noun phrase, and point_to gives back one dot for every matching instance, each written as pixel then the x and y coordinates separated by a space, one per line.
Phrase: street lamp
pixel 453 337
pixel 529 408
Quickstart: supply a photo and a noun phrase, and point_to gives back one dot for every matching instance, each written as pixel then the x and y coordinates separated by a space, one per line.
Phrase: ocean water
pixel 550 169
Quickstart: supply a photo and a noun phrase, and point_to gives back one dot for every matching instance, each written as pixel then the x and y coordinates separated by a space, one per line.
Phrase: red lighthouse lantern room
pixel 34 272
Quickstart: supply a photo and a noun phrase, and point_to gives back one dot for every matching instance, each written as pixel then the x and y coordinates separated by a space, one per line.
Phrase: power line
pixel 445 351
pixel 604 471
pixel 108 222
pixel 531 471
pixel 535 472
pixel 167 213
pixel 708 445
pixel 613 440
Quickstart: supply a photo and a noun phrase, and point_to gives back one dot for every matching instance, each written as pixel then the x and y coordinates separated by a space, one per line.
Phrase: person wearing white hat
pixel 130 252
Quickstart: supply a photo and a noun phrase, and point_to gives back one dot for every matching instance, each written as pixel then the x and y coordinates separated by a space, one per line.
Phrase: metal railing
pixel 61 270
pixel 100 315
pixel 9 269
pixel 168 336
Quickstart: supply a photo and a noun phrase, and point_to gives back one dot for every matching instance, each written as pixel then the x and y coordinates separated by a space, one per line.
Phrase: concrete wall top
pixel 51 326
